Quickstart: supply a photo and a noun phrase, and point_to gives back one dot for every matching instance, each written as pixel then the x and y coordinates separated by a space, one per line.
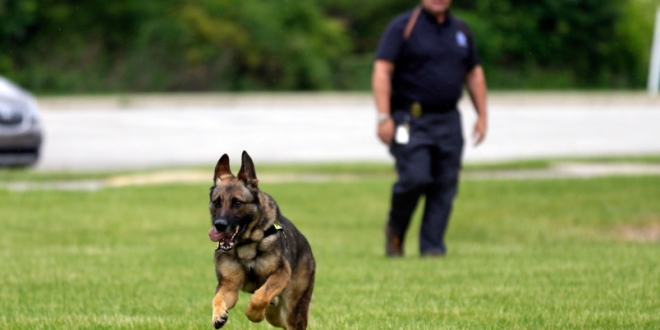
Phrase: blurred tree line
pixel 65 46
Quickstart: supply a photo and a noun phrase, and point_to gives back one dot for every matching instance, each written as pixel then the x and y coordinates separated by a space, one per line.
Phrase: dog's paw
pixel 220 320
pixel 255 314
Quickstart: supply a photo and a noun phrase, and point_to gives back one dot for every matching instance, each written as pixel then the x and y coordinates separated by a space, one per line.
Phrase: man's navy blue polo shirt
pixel 430 66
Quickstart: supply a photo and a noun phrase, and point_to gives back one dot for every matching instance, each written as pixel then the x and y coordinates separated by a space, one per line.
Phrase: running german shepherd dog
pixel 259 251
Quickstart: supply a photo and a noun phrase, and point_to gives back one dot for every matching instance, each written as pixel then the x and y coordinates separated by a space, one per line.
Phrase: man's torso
pixel 430 66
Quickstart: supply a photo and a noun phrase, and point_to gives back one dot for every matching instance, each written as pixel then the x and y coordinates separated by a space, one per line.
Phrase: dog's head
pixel 234 201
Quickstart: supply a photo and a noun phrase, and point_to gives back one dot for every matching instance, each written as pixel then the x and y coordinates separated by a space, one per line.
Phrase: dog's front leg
pixel 224 300
pixel 274 285
pixel 226 294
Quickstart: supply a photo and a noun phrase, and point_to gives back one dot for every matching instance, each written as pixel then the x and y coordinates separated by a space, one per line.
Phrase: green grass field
pixel 523 254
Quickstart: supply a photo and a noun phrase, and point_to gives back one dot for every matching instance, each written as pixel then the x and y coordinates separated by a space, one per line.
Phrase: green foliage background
pixel 70 46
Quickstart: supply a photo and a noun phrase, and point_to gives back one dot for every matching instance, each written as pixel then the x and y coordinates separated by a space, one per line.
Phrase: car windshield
pixel 9 91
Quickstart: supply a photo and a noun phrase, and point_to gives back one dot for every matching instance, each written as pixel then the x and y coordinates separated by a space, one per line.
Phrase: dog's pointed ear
pixel 222 168
pixel 247 173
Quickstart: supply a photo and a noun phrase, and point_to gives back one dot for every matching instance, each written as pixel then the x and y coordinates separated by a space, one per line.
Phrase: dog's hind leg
pixel 275 313
pixel 298 304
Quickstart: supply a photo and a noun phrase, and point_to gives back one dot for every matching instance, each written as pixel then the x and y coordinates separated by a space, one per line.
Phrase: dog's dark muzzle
pixel 220 225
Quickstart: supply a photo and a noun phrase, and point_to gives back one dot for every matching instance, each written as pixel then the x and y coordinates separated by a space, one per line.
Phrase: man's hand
pixel 382 89
pixel 385 131
pixel 479 132
pixel 476 86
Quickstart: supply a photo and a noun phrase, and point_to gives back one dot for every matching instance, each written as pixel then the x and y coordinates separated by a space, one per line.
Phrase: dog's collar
pixel 272 230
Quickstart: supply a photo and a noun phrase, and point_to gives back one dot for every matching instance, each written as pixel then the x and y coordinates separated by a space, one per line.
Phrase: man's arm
pixel 381 84
pixel 475 80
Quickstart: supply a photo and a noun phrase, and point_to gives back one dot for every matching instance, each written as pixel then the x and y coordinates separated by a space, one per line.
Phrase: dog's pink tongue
pixel 214 236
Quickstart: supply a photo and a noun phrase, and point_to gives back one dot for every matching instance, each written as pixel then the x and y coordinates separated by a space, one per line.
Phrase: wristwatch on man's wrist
pixel 382 117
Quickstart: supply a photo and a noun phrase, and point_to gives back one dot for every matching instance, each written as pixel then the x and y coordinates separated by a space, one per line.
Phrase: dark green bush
pixel 72 46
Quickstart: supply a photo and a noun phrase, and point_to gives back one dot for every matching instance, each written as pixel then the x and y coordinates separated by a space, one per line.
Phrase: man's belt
pixel 417 109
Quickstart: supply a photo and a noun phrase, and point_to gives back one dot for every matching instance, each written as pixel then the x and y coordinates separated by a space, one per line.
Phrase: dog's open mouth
pixel 226 240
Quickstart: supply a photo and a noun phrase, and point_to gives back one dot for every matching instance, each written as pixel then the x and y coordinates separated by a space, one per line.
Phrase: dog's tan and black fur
pixel 259 251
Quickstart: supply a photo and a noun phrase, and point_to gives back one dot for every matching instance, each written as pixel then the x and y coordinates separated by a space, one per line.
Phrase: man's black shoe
pixel 393 243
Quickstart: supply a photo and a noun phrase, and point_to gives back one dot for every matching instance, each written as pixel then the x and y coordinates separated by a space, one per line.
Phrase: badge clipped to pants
pixel 402 134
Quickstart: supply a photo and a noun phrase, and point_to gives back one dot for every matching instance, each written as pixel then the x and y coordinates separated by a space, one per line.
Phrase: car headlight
pixel 34 121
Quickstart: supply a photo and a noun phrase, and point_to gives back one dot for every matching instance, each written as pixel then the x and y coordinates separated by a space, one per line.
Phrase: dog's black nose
pixel 220 225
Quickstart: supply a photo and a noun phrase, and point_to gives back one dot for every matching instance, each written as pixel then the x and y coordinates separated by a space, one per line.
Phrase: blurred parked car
pixel 20 129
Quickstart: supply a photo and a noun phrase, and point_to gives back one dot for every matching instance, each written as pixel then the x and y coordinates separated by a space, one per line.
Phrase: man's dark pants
pixel 427 165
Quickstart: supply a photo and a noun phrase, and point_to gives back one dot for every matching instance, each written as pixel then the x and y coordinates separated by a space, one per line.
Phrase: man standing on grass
pixel 424 58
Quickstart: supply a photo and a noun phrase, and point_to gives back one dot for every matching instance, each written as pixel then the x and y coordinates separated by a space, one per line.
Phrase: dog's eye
pixel 216 203
pixel 236 203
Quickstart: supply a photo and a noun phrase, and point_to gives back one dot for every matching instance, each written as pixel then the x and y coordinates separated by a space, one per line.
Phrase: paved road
pixel 96 133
